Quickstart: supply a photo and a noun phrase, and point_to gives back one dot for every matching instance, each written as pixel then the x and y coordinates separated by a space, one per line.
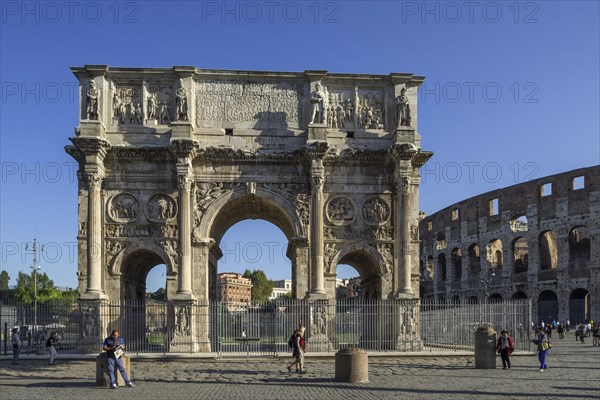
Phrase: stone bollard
pixel 485 348
pixel 352 365
pixel 102 370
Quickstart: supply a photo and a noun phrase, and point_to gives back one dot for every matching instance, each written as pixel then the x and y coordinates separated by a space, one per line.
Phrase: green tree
pixel 46 290
pixel 160 295
pixel 261 286
pixel 4 278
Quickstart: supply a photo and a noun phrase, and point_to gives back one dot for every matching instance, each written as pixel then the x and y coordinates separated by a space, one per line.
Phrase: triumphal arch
pixel 170 158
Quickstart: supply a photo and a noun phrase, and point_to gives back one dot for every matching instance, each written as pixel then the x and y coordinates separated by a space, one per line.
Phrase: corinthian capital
pixel 184 182
pixel 184 149
pixel 94 180
pixel 317 183
pixel 405 185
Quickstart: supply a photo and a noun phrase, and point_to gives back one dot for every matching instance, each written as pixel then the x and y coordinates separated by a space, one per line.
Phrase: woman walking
pixel 542 348
pixel 51 345
pixel 505 347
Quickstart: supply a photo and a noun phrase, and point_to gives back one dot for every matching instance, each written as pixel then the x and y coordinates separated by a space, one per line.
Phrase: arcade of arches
pixel 534 245
pixel 169 159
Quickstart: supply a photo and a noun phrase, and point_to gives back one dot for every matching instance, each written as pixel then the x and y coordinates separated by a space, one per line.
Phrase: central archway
pixel 263 204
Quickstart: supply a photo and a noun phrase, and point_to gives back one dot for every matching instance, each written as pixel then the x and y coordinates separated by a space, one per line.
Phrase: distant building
pixel 535 240
pixel 233 288
pixel 281 288
pixel 347 288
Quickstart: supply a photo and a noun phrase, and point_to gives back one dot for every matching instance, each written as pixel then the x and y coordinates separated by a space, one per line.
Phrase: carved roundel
pixel 123 207
pixel 340 210
pixel 161 208
pixel 375 211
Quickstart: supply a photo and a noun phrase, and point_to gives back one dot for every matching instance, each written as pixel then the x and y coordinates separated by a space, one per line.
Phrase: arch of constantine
pixel 538 240
pixel 170 158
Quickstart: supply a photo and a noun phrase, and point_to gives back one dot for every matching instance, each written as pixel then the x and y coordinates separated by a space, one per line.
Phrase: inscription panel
pixel 250 104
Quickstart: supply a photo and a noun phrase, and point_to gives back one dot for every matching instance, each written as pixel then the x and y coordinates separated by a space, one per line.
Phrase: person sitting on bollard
pixel 505 348
pixel 114 345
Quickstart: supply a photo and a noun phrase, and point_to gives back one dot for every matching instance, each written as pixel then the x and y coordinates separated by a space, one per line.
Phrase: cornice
pixel 355 156
pixel 91 146
pixel 127 153
pixel 230 155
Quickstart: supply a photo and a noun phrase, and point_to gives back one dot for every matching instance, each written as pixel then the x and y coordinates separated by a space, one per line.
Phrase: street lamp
pixel 35 267
pixel 488 281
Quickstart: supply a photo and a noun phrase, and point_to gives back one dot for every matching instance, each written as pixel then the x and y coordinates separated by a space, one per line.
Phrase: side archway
pixel 370 265
pixel 132 265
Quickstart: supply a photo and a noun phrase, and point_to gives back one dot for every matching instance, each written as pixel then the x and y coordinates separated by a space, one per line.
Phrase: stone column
pixel 406 158
pixel 185 238
pixel 402 222
pixel 94 238
pixel 184 151
pixel 91 154
pixel 317 276
pixel 405 282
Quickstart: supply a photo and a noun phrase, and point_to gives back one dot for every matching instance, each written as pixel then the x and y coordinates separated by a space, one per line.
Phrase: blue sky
pixel 512 93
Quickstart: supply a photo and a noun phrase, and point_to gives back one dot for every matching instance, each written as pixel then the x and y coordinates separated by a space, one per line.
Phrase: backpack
pixel 49 342
pixel 292 341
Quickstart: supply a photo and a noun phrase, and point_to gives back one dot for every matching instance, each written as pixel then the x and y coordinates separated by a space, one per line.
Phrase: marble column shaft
pixel 94 233
pixel 316 228
pixel 402 244
pixel 185 236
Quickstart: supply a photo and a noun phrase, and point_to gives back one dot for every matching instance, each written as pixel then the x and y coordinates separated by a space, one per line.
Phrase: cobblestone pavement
pixel 574 373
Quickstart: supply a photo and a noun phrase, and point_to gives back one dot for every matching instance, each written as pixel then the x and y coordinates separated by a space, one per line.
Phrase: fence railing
pixel 454 325
pixel 263 328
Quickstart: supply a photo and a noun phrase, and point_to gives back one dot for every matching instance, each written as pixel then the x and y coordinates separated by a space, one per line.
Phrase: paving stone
pixel 574 374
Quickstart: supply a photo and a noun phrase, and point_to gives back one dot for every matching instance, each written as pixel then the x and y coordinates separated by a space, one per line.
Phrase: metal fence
pixel 262 329
pixel 454 325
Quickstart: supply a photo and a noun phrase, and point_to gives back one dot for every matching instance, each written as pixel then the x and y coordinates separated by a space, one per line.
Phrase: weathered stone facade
pixel 171 158
pixel 540 239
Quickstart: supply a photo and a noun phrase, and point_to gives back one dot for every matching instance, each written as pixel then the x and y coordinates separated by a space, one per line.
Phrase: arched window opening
pixel 442 266
pixel 548 251
pixel 521 255
pixel 579 243
pixel 457 263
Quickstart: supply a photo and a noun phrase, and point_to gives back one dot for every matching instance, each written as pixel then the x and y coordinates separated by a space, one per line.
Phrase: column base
pixel 181 129
pixel 317 132
pixel 316 296
pixel 91 128
pixel 184 344
pixel 184 296
pixel 405 294
pixel 413 343
pixel 93 295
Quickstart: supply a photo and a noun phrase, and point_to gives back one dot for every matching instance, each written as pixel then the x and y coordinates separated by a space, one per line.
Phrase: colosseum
pixel 537 240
